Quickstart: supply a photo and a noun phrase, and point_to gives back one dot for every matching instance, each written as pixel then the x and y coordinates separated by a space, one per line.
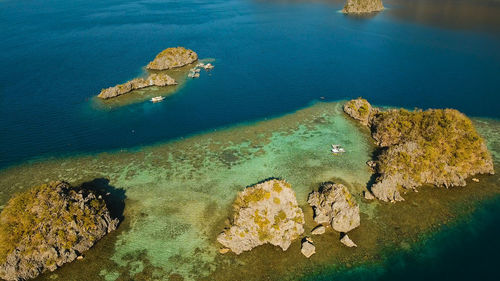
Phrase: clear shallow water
pixel 273 57
pixel 179 194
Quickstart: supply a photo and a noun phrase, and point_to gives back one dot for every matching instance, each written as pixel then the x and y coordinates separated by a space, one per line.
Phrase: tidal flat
pixel 179 194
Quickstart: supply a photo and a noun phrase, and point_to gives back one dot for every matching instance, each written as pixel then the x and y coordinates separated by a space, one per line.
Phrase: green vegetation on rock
pixel 48 225
pixel 435 146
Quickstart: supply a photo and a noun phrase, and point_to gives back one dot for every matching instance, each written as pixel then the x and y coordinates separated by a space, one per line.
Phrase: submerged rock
pixel 333 204
pixel 264 213
pixel 435 146
pixel 159 80
pixel 347 241
pixel 48 226
pixel 308 249
pixel 172 58
pixel 362 6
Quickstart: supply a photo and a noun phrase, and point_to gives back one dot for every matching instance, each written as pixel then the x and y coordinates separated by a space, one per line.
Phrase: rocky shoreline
pixel 165 60
pixel 159 80
pixel 48 226
pixel 268 213
pixel 440 147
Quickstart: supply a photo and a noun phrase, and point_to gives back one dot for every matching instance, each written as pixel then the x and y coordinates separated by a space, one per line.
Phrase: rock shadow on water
pixel 113 196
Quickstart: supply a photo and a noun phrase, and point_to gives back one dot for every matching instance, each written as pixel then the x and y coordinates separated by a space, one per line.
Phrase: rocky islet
pixel 48 226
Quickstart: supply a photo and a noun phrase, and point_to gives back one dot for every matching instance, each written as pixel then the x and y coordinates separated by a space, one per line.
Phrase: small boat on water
pixel 208 66
pixel 157 99
pixel 337 148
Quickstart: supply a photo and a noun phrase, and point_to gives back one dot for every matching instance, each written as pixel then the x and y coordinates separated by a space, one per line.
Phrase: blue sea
pixel 271 57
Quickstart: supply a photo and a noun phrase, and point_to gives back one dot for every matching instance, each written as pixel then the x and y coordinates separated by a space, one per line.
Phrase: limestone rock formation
pixel 47 226
pixel 362 6
pixel 347 241
pixel 333 204
pixel 308 249
pixel 159 80
pixel 436 146
pixel 320 229
pixel 264 213
pixel 360 110
pixel 172 58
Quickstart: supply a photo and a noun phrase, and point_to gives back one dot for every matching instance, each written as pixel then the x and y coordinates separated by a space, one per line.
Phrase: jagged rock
pixel 320 229
pixel 264 213
pixel 360 110
pixel 307 248
pixel 334 204
pixel 475 179
pixel 172 58
pixel 347 241
pixel 362 6
pixel 435 146
pixel 48 226
pixel 159 80
pixel 368 195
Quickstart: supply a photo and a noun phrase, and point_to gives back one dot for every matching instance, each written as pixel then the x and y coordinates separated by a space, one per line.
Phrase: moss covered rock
pixel 436 146
pixel 360 110
pixel 362 6
pixel 47 226
pixel 264 213
pixel 172 58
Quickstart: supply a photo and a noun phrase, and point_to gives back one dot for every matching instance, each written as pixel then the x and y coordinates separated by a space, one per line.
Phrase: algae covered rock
pixel 362 6
pixel 172 58
pixel 159 80
pixel 47 226
pixel 436 146
pixel 264 213
pixel 333 204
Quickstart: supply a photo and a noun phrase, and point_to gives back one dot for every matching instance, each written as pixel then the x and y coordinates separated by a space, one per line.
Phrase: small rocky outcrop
pixel 362 6
pixel 264 213
pixel 347 241
pixel 48 226
pixel 172 58
pixel 308 249
pixel 159 80
pixel 436 146
pixel 360 110
pixel 320 229
pixel 333 204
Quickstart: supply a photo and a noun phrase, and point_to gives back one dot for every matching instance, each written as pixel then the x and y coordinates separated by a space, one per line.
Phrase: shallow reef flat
pixel 179 194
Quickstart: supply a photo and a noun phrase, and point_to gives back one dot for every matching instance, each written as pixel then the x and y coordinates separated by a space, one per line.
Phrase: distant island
pixel 362 6
pixel 167 59
pixel 50 225
pixel 436 146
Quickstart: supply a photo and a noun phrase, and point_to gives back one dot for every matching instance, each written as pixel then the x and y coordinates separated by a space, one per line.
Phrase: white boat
pixel 208 66
pixel 336 149
pixel 157 99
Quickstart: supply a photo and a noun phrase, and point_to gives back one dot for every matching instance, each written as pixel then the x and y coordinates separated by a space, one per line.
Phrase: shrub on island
pixel 47 226
pixel 436 146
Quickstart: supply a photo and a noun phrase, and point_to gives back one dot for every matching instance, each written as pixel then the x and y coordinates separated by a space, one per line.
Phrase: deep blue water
pixel 272 57
pixel 467 250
